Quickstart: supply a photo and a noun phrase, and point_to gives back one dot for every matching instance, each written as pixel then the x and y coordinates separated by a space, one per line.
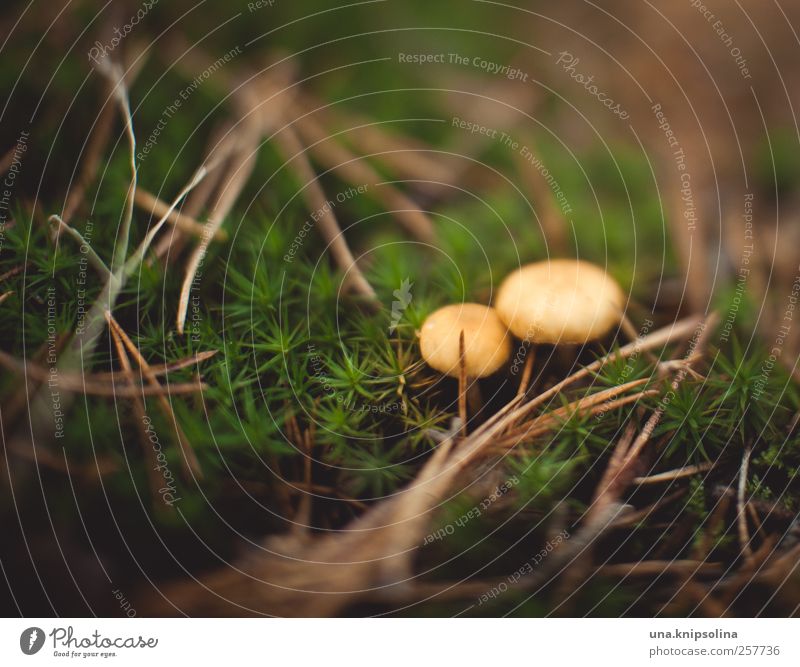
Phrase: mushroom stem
pixel 527 371
pixel 474 396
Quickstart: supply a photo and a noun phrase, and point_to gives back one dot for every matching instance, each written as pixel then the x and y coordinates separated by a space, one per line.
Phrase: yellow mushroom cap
pixel 560 301
pixel 486 343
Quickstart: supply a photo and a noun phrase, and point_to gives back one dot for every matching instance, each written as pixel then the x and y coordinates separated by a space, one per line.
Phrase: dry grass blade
pixel 116 78
pixel 240 169
pixel 598 403
pixel 158 208
pixel 138 407
pixel 656 339
pixel 581 405
pixel 652 568
pixel 98 140
pixel 672 475
pixel 295 156
pixel 96 384
pixel 741 516
pixel 404 155
pixel 90 472
pixel 619 472
pixel 13 272
pixel 189 461
pixel 219 149
pixel 552 221
pixel 702 332
pixel 547 424
pixel 359 173
pixel 165 368
pixel 94 259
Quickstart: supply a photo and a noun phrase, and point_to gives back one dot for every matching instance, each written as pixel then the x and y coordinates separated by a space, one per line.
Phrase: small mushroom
pixel 486 343
pixel 466 341
pixel 560 301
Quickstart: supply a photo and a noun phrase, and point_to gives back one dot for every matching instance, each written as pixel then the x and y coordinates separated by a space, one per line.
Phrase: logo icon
pixel 402 301
pixel 31 640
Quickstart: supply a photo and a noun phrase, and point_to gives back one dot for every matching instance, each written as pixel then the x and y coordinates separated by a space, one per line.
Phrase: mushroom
pixel 560 301
pixel 466 341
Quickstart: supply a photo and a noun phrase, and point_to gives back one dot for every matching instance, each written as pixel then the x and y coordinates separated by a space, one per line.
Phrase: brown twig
pixel 138 407
pixel 671 475
pixel 189 461
pixel 359 173
pixel 701 335
pixel 240 168
pixel 165 368
pixel 98 468
pixel 295 155
pixel 98 384
pixel 741 516
pixel 98 140
pixel 158 208
pixel 551 219
pixel 16 270
pixel 606 399
pixel 404 155
pixel 651 568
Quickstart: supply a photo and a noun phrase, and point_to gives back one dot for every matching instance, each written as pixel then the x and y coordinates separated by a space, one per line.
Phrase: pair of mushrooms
pixel 557 301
